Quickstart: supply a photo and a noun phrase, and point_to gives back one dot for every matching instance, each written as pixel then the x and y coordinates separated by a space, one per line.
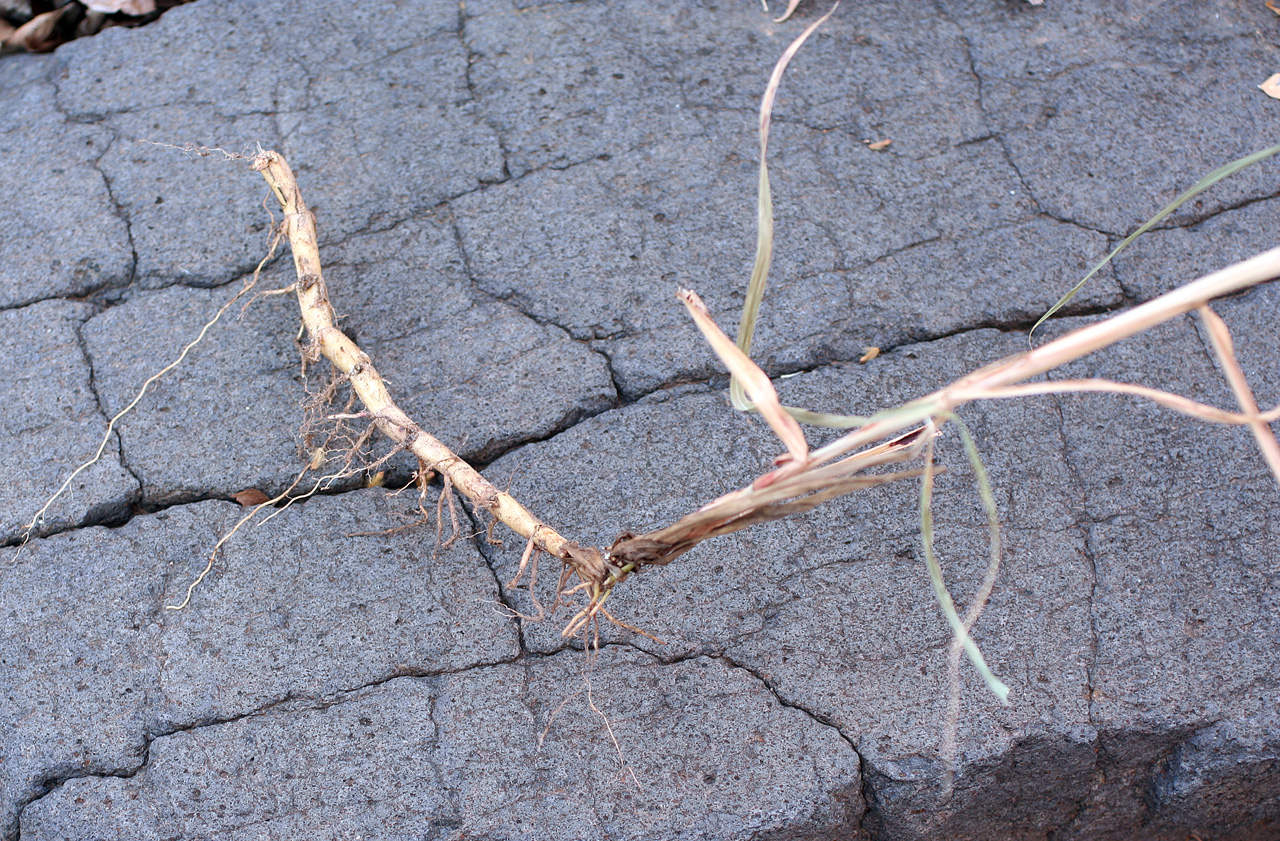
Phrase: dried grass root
pixel 326 339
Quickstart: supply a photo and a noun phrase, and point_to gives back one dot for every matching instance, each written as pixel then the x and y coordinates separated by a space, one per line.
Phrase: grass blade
pixel 764 213
pixel 1199 187
pixel 940 587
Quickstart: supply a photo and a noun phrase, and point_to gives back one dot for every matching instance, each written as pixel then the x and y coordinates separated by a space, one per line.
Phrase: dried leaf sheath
pixel 762 503
pixel 346 356
pixel 759 389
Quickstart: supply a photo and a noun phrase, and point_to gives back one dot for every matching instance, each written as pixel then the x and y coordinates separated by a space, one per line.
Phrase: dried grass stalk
pixel 804 479
pixel 829 471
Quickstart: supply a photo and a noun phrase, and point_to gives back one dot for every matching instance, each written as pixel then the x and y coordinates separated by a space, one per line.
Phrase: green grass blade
pixel 824 419
pixel 759 277
pixel 1199 187
pixel 993 520
pixel 764 214
pixel 940 587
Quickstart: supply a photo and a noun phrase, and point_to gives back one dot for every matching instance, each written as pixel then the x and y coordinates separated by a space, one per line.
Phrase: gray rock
pixel 52 423
pixel 925 291
pixel 1162 260
pixel 613 277
pixel 834 610
pixel 508 257
pixel 195 221
pixel 1249 317
pixel 1108 119
pixel 479 374
pixel 1182 538
pixel 64 234
pixel 319 601
pixel 730 762
pixel 79 669
pixel 374 114
pixel 295 609
pixel 198 432
pixel 593 80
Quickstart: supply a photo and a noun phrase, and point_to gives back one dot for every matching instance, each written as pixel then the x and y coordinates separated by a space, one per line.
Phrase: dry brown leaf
pixel 250 497
pixel 137 8
pixel 37 35
pixel 1271 87
pixel 879 144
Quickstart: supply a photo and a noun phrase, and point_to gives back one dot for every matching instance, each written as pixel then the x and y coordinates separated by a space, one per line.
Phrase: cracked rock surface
pixel 52 421
pixel 75 240
pixel 508 193
pixel 433 756
pixel 96 668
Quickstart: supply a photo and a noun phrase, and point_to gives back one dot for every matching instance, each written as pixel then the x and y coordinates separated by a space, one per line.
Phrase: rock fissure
pixel 571 418
pixel 867 790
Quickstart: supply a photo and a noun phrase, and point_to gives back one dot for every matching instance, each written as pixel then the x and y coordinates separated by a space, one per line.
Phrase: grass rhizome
pixel 800 479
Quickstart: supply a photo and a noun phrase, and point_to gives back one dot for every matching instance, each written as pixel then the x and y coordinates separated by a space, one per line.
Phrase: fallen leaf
pixel 879 144
pixel 1271 87
pixel 137 8
pixel 250 497
pixel 868 354
pixel 38 35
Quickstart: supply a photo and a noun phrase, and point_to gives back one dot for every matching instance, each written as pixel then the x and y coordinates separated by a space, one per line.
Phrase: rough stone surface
pixel 73 240
pixel 52 423
pixel 833 610
pixel 362 101
pixel 508 193
pixel 95 667
pixel 1182 536
pixel 837 288
pixel 196 433
pixel 732 763
pixel 1165 259
pixel 1099 104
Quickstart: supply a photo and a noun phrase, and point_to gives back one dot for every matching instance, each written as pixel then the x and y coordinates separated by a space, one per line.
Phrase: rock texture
pixel 508 193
